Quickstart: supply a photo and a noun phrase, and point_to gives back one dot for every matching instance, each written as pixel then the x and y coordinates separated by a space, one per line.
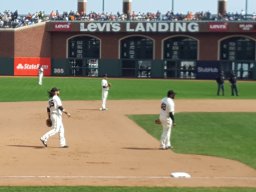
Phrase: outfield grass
pixel 229 135
pixel 27 89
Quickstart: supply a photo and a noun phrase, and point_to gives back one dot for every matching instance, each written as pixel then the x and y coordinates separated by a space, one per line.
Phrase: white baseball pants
pixel 57 127
pixel 40 78
pixel 165 140
pixel 104 98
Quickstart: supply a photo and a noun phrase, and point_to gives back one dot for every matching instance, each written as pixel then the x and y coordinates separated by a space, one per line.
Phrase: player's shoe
pixel 44 142
pixel 165 148
pixel 103 109
pixel 65 146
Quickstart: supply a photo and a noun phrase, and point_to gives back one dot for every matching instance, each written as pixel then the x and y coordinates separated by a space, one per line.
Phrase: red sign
pixel 28 66
pixel 218 27
pixel 62 26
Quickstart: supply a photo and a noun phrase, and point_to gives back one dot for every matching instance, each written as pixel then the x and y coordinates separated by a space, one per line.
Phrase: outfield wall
pixel 131 49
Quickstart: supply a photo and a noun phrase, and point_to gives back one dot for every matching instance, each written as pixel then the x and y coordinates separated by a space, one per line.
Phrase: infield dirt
pixel 108 149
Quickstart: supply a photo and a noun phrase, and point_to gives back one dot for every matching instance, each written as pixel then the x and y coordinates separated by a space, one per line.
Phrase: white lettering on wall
pixel 140 27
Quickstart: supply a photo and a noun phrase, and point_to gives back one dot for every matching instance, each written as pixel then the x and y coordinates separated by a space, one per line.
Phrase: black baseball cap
pixel 171 92
pixel 54 89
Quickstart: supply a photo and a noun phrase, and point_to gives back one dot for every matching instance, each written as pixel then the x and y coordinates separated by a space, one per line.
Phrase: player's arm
pixel 171 116
pixel 64 111
pixel 48 112
pixel 105 85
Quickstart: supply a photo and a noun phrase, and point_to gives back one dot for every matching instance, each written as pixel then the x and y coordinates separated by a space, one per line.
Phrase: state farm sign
pixel 217 26
pixel 28 66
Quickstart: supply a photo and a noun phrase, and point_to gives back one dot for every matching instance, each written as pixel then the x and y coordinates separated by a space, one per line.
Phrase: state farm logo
pixel 21 66
pixel 62 26
pixel 218 27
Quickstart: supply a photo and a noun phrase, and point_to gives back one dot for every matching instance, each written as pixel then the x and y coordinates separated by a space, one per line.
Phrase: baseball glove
pixel 109 85
pixel 158 122
pixel 48 122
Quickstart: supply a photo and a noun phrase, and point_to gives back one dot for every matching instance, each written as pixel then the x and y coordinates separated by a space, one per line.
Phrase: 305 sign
pixel 59 71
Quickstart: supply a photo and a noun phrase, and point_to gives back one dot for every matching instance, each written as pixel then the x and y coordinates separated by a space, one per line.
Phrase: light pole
pixel 103 6
pixel 246 7
pixel 172 6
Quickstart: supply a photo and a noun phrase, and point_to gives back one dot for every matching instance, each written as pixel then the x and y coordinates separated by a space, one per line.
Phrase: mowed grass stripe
pixel 74 88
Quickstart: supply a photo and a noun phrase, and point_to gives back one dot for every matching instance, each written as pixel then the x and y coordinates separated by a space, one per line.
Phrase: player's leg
pixel 40 79
pixel 236 91
pixel 222 88
pixel 169 131
pixel 164 136
pixel 104 99
pixel 232 90
pixel 218 90
pixel 53 131
pixel 62 134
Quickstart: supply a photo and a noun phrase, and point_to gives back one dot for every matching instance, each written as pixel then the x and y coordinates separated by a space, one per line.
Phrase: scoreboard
pixel 137 48
pixel 180 48
pixel 237 48
pixel 84 47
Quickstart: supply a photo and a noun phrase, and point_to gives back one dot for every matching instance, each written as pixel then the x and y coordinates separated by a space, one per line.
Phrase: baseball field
pixel 118 150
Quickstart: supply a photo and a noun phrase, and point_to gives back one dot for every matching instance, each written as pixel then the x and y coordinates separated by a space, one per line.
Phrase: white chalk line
pixel 121 177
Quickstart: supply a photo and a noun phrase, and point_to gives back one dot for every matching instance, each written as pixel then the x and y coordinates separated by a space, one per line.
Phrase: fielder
pixel 105 85
pixel 40 74
pixel 54 111
pixel 167 119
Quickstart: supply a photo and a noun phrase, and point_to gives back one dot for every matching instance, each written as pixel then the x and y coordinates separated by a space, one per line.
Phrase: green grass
pixel 228 135
pixel 27 89
pixel 121 189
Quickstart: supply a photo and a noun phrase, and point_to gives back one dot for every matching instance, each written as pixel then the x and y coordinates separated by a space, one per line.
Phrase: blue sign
pixel 207 69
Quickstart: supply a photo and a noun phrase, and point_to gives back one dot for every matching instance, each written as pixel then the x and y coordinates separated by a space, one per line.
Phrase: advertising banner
pixel 152 26
pixel 247 27
pixel 218 26
pixel 207 69
pixel 139 27
pixel 62 26
pixel 28 66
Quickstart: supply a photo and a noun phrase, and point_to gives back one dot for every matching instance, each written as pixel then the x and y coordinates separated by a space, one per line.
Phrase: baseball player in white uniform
pixel 105 88
pixel 54 111
pixel 40 74
pixel 167 119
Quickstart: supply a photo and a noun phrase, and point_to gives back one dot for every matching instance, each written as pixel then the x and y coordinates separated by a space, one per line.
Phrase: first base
pixel 180 175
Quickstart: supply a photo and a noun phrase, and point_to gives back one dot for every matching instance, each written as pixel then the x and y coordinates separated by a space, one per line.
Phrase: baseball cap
pixel 54 89
pixel 171 92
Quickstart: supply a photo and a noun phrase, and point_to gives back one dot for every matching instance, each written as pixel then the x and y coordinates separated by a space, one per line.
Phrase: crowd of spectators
pixel 158 16
pixel 10 19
